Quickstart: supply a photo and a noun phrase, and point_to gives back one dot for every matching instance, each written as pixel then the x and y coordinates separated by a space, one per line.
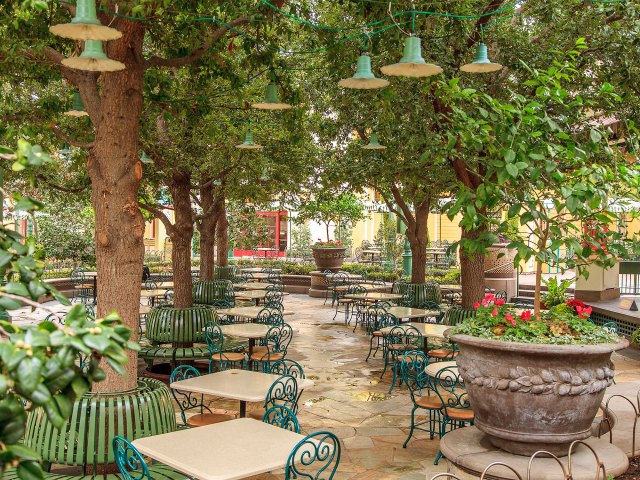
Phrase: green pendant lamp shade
pixel 412 64
pixel 364 79
pixel 93 59
pixel 481 62
pixel 373 144
pixel 77 107
pixel 271 100
pixel 265 174
pixel 146 159
pixel 217 182
pixel 85 25
pixel 248 142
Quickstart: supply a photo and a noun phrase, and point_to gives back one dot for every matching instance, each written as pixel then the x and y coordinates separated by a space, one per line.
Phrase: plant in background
pixel 389 240
pixel 342 210
pixel 40 365
pixel 300 242
pixel 564 324
pixel 556 293
pixel 635 337
pixel 247 229
pixel 328 244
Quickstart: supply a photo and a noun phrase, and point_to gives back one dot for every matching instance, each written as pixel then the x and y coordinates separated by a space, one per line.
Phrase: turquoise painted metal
pixel 315 457
pixel 129 460
pixel 407 261
pixel 481 62
pixel 412 64
pixel 412 53
pixel 282 417
pixel 93 49
pixel 374 143
pixel 86 13
pixel 248 141
pixel 286 366
pixel 364 77
pixel 363 67
pixel 215 343
pixel 284 391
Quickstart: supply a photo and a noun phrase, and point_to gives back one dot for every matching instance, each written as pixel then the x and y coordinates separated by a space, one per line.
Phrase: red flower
pixel 494 313
pixel 499 301
pixel 574 302
pixel 526 315
pixel 510 318
pixel 476 305
pixel 584 312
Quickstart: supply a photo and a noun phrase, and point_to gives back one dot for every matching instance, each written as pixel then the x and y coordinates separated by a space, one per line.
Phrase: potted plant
pixel 328 255
pixel 535 382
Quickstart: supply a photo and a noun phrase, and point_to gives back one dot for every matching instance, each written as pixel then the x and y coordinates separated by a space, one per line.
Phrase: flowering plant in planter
pixel 328 244
pixel 564 324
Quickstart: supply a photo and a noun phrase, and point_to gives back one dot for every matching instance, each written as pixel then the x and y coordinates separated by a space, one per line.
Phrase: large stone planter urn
pixel 330 258
pixel 530 397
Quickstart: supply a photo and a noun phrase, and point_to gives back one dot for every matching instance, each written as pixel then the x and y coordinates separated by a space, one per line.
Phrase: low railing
pixel 630 277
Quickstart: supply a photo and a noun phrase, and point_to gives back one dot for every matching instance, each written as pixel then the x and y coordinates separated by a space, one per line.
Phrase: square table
pixel 252 286
pixel 153 294
pixel 251 331
pixel 247 312
pixel 428 330
pixel 410 312
pixel 374 296
pixel 255 295
pixel 229 450
pixel 243 385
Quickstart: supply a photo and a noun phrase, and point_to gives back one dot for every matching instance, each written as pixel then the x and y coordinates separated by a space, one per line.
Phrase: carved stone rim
pixel 537 348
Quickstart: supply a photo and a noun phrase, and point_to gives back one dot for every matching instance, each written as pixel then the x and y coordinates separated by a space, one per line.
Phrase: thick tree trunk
pixel 207 233
pixel 115 171
pixel 222 236
pixel 472 272
pixel 417 236
pixel 181 236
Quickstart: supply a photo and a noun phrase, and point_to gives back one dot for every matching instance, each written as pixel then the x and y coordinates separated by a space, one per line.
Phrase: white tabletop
pixel 255 294
pixel 252 285
pixel 374 296
pixel 224 451
pixel 426 329
pixel 152 293
pixel 259 270
pixel 247 312
pixel 433 368
pixel 88 274
pixel 246 330
pixel 410 312
pixel 243 385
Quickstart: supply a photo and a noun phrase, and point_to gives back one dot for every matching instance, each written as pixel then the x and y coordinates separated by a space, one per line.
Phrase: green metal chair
pixel 133 467
pixel 276 343
pixel 414 376
pixel 286 366
pixel 283 417
pixel 381 319
pixel 433 307
pixel 315 457
pixel 215 343
pixel 347 303
pixel 270 316
pixel 400 340
pixel 283 391
pixel 448 386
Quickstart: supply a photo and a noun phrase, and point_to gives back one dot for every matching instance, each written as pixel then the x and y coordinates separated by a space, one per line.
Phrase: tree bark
pixel 417 236
pixel 181 236
pixel 115 171
pixel 222 235
pixel 207 228
pixel 472 272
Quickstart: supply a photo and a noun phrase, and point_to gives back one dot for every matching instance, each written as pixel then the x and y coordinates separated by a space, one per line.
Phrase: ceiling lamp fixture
pixel 481 62
pixel 93 59
pixel 373 144
pixel 412 64
pixel 364 79
pixel 271 100
pixel 85 25
pixel 77 107
pixel 248 142
pixel 146 159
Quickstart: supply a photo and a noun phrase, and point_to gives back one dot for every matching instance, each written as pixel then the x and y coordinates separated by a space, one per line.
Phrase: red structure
pixel 278 231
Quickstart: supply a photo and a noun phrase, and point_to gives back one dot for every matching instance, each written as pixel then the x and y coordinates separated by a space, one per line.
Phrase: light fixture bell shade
pixel 373 144
pixel 85 25
pixel 248 142
pixel 364 79
pixel 481 62
pixel 77 107
pixel 146 159
pixel 271 100
pixel 411 64
pixel 93 59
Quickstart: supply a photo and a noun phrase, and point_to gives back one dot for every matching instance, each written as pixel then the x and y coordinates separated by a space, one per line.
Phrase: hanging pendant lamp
pixel 412 64
pixel 481 62
pixel 248 142
pixel 265 174
pixel 93 59
pixel 217 182
pixel 77 107
pixel 85 25
pixel 146 159
pixel 364 79
pixel 373 144
pixel 271 100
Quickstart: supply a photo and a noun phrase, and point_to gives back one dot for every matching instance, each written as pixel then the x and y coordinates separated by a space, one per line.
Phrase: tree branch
pixel 483 21
pixel 60 187
pixel 156 61
pixel 159 214
pixel 70 140
pixel 408 214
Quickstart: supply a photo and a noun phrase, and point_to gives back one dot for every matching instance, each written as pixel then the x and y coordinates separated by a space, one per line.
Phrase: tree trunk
pixel 115 171
pixel 207 233
pixel 472 272
pixel 417 236
pixel 181 236
pixel 537 300
pixel 222 236
pixel 327 225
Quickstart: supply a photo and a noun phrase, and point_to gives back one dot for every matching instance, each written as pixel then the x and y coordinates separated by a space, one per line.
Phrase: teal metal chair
pixel 414 376
pixel 456 411
pixel 349 305
pixel 283 417
pixel 189 401
pixel 286 366
pixel 284 391
pixel 215 343
pixel 381 319
pixel 315 457
pixel 270 316
pixel 433 307
pixel 400 340
pixel 132 466
pixel 274 347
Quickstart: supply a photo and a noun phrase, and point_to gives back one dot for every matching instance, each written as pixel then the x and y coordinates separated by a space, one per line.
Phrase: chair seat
pixel 267 357
pixel 228 357
pixel 464 414
pixel 260 348
pixel 398 347
pixel 345 300
pixel 432 402
pixel 442 353
pixel 378 333
pixel 202 419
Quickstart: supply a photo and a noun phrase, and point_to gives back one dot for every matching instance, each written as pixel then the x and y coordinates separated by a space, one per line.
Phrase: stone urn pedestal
pixel 530 397
pixel 330 258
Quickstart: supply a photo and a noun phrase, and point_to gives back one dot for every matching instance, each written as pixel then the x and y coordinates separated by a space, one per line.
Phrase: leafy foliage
pixel 343 209
pixel 556 293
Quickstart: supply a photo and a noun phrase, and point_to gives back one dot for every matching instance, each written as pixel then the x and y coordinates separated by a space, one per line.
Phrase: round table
pixel 433 368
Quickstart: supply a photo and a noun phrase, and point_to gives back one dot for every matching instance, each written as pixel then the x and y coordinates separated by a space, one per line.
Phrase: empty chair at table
pixel 274 348
pixel 283 417
pixel 270 316
pixel 400 340
pixel 381 319
pixel 82 287
pixel 189 402
pixel 287 366
pixel 132 465
pixel 273 298
pixel 432 307
pixel 215 343
pixel 316 457
pixel 283 391
pixel 337 280
pixel 344 304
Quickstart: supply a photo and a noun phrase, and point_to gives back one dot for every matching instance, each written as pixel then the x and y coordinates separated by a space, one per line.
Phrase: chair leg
pixel 413 423
pixel 396 365
pixel 370 348
pixel 443 430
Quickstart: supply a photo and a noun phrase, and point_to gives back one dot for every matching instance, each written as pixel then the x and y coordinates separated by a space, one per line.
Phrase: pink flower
pixel 510 318
pixel 583 312
pixel 494 313
pixel 476 305
pixel 526 315
pixel 499 301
